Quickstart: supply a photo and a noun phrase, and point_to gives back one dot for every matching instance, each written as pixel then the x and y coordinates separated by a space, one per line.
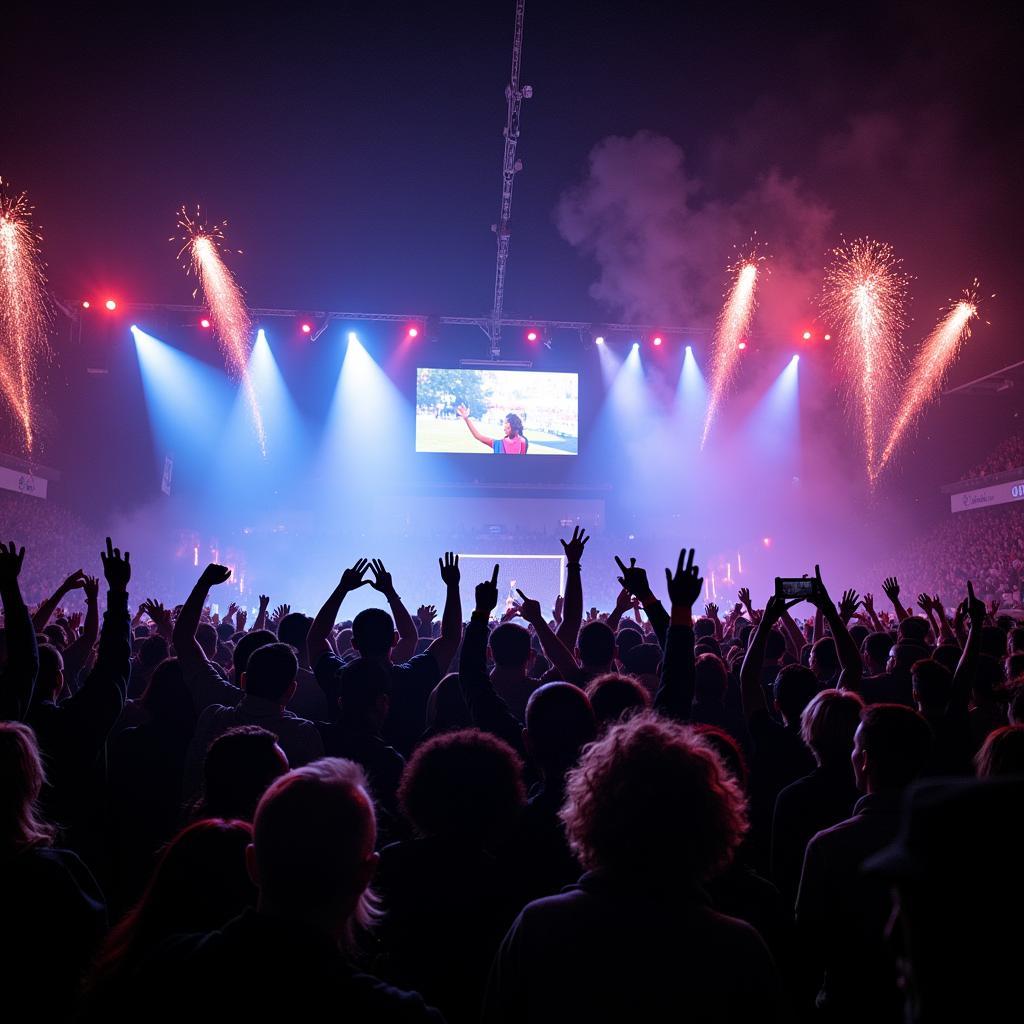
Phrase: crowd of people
pixel 1007 455
pixel 664 810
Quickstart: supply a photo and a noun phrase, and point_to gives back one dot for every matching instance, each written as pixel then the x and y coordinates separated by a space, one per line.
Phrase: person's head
pixel 22 825
pixel 465 785
pixel 932 686
pixel 993 641
pixel 510 647
pixel 293 629
pixel 794 686
pixel 626 639
pixel 244 647
pixel 1015 702
pixel 199 883
pixel 828 724
pixel 168 700
pixel 875 651
pixel 710 679
pixel 858 633
pixel 913 630
pixel 728 750
pixel 775 647
pixel 513 425
pixel 312 854
pixel 208 639
pixel 947 655
pixel 364 694
pixel 55 635
pixel 373 633
pixel 642 660
pixel 1015 640
pixel 596 645
pixel 270 673
pixel 152 651
pixel 225 631
pixel 824 661
pixel 50 679
pixel 613 696
pixel 1002 753
pixel 890 747
pixel 559 722
pixel 703 627
pixel 239 766
pixel 651 800
pixel 446 707
pixel 1014 665
pixel 903 655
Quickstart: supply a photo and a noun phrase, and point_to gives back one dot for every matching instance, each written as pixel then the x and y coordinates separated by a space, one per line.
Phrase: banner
pixel 982 497
pixel 13 480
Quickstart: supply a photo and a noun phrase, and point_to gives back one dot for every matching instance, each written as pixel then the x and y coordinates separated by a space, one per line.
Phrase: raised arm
pixel 18 677
pixel 622 603
pixel 751 691
pixel 488 711
pixel 261 617
pixel 482 438
pixel 891 587
pixel 42 614
pixel 323 623
pixel 967 667
pixel 675 690
pixel 555 651
pixel 443 649
pixel 76 654
pixel 186 647
pixel 846 648
pixel 635 581
pixel 869 607
pixel 572 606
pixel 383 583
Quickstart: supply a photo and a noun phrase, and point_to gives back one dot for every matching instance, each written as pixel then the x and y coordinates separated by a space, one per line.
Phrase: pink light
pixel 531 335
pixel 413 332
pixel 306 328
pixel 807 335
pixel 110 304
pixel 828 337
pixel 742 345
pixel 657 341
pixel 87 304
pixel 767 542
pixel 204 322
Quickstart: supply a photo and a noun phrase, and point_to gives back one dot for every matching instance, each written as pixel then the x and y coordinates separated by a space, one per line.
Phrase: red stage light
pixel 828 337
pixel 742 345
pixel 531 335
pixel 110 304
pixel 86 304
pixel 306 328
pixel 657 340
pixel 413 332
pixel 204 322
pixel 807 335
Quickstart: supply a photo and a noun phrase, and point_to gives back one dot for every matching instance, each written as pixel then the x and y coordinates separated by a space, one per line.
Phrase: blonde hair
pixel 22 778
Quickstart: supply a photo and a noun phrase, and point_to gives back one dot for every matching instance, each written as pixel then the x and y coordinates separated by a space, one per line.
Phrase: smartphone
pixel 788 588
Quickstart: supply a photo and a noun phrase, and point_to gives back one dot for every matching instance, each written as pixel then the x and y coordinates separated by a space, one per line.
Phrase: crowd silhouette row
pixel 660 811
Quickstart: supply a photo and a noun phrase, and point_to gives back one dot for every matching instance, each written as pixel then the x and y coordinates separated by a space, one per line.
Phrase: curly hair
pixel 652 796
pixel 466 783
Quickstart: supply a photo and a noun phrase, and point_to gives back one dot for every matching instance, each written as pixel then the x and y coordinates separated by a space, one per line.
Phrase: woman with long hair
pixel 513 442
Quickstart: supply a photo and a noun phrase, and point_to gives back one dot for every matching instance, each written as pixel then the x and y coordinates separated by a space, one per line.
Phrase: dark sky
pixel 356 149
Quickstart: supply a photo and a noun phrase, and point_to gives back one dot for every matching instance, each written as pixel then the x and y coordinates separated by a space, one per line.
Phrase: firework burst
pixel 730 330
pixel 201 252
pixel 24 311
pixel 937 355
pixel 865 296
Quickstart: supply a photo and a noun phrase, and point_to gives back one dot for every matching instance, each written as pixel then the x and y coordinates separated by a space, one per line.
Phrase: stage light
pixel 767 542
pixel 807 335
pixel 795 359
pixel 87 304
pixel 657 340
pixel 599 340
pixel 306 328
pixel 204 322
pixel 531 335
pixel 828 337
pixel 413 332
pixel 742 345
pixel 689 350
pixel 352 337
pixel 636 346
pixel 110 304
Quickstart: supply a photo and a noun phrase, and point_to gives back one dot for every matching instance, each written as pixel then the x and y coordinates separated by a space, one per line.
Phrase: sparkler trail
pixel 201 253
pixel 24 312
pixel 732 324
pixel 937 354
pixel 864 297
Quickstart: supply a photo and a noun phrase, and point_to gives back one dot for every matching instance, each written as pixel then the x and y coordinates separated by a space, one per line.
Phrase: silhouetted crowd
pixel 659 811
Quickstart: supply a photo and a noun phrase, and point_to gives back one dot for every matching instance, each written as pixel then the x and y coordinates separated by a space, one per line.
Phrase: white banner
pixel 12 480
pixel 997 494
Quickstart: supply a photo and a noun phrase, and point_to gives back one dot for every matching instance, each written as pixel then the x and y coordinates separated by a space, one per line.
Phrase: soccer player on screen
pixel 513 443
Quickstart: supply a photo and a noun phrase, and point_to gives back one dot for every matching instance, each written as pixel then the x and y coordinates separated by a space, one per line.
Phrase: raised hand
pixel 230 613
pixel 573 547
pixel 623 601
pixel 686 585
pixel 556 612
pixel 240 616
pixel 426 613
pixel 820 598
pixel 462 411
pixel 280 612
pixel 848 604
pixel 116 569
pixel 744 595
pixel 213 575
pixel 868 600
pixel 352 579
pixel 74 622
pixel 938 606
pixel 381 581
pixel 450 572
pixel 924 602
pixel 510 612
pixel 264 604
pixel 76 581
pixel 157 612
pixel 891 588
pixel 711 610
pixel 487 594
pixel 775 608
pixel 11 559
pixel 529 609
pixel 634 579
pixel 975 608
pixel 994 607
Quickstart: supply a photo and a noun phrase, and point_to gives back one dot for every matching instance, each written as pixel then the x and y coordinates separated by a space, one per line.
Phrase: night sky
pixel 356 150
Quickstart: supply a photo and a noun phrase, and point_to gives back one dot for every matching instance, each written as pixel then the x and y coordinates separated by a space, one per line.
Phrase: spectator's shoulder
pixel 374 999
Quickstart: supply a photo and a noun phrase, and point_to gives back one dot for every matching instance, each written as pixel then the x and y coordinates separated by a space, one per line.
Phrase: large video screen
pixel 497 412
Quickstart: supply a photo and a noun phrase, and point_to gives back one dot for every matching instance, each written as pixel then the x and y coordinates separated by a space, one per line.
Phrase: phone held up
pixel 790 588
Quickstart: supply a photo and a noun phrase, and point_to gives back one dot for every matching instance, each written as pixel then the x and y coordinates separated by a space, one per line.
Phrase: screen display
pixel 497 412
